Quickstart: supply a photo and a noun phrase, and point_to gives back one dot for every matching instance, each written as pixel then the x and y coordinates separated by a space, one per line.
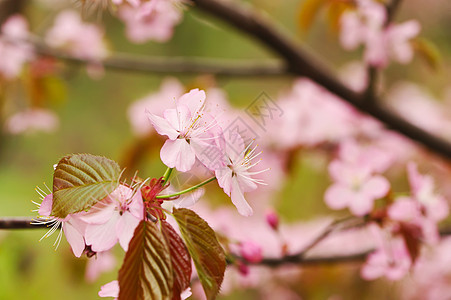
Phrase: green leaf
pixel 428 51
pixel 180 258
pixel 207 253
pixel 147 270
pixel 80 180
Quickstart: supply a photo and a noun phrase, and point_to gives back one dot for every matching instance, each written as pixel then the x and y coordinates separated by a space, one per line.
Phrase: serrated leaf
pixel 147 269
pixel 180 258
pixel 428 52
pixel 308 12
pixel 80 180
pixel 207 253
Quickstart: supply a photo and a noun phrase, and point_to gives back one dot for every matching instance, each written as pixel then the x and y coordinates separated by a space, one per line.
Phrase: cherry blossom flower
pixel 151 20
pixel 114 219
pixel 111 289
pixel 15 51
pixel 32 120
pixel 367 26
pixel 80 39
pixel 101 262
pixel 391 259
pixel 355 184
pixel 155 103
pixel 234 176
pixel 72 225
pixel 190 131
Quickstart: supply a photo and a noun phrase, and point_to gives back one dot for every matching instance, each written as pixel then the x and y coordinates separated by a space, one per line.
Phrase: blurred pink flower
pixel 15 51
pixel 391 259
pixel 189 128
pixel 355 183
pixel 114 219
pixel 367 26
pixel 80 39
pixel 155 103
pixel 151 20
pixel 272 219
pixel 32 120
pixel 111 289
pixel 101 262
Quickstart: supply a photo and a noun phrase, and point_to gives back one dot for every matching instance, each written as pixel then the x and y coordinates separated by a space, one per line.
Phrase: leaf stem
pixel 187 190
pixel 167 174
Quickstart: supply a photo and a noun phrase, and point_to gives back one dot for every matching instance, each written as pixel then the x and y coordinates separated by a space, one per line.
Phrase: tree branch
pixel 178 65
pixel 303 64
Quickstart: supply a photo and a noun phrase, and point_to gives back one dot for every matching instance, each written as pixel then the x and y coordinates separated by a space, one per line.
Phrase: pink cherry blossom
pixel 32 120
pixel 272 219
pixel 355 183
pixel 155 103
pixel 100 263
pixel 366 25
pixel 391 259
pixel 114 219
pixel 72 226
pixel 15 51
pixel 111 289
pixel 189 129
pixel 151 20
pixel 234 176
pixel 80 39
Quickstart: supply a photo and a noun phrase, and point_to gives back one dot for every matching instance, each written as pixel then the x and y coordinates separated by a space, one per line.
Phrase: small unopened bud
pixel 272 219
pixel 251 251
pixel 242 268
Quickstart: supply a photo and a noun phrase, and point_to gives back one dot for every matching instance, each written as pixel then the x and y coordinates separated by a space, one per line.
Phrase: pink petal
pixel 110 289
pixel 178 154
pixel 74 238
pixel 101 262
pixel 136 206
pixel 45 209
pixel 189 199
pixel 376 187
pixel 162 126
pixel 102 237
pixel 337 196
pixel 179 118
pixel 238 199
pixel 125 228
pixel 404 209
pixel 194 100
pixel 224 177
pixel 100 213
pixel 360 204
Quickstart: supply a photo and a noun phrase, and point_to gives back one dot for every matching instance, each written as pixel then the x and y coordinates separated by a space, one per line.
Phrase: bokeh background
pixel 93 120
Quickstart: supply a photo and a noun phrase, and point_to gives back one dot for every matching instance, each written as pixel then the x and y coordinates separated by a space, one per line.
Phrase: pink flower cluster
pixel 357 180
pixel 110 221
pixel 15 51
pixel 410 221
pixel 367 26
pixel 194 134
pixel 78 38
pixel 149 20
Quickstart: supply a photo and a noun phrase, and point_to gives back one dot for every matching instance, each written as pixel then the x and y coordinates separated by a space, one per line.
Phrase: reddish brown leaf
pixel 207 253
pixel 180 258
pixel 147 269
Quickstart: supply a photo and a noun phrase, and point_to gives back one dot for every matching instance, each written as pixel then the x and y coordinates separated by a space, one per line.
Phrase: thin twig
pixel 176 65
pixel 303 64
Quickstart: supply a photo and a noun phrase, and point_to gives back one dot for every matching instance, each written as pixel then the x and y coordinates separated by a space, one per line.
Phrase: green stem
pixel 187 190
pixel 167 174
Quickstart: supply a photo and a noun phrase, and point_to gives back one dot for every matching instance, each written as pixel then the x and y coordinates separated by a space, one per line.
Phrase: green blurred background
pixel 93 120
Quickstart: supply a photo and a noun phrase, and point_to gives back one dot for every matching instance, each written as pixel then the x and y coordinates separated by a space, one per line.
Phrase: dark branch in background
pixel 10 7
pixel 172 65
pixel 300 258
pixel 303 64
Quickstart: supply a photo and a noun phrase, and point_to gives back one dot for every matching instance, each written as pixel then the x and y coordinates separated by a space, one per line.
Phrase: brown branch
pixel 303 64
pixel 175 65
pixel 19 223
